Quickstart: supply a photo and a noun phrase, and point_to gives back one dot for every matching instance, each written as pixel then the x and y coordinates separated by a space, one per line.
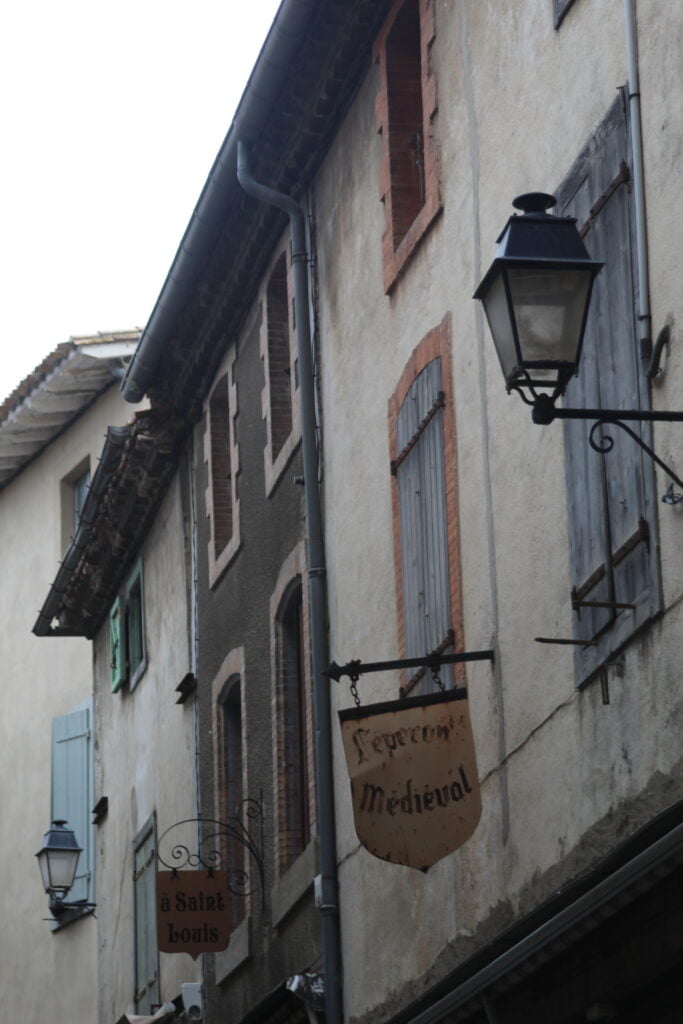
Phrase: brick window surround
pixel 280 396
pixel 435 345
pixel 221 454
pixel 292 710
pixel 405 109
pixel 229 760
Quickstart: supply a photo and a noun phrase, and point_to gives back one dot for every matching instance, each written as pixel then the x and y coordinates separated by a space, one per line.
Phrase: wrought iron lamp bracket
pixel 213 837
pixel 545 411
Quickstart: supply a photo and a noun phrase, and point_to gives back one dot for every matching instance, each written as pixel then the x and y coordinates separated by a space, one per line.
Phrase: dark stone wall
pixel 234 613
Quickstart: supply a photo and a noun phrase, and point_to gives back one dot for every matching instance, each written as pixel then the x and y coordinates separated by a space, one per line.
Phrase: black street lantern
pixel 57 860
pixel 536 295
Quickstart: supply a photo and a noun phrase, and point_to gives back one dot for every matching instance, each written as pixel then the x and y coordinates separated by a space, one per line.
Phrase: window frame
pixel 395 257
pixel 230 679
pixel 151 995
pixel 435 345
pixel 131 601
pixel 278 451
pixel 220 556
pixel 290 582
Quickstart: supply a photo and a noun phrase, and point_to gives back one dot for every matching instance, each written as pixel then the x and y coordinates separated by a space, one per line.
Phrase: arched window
pixel 230 781
pixel 293 767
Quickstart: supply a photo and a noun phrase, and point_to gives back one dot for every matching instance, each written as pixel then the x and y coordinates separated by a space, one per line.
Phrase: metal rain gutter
pixel 329 906
pixel 115 440
pixel 210 213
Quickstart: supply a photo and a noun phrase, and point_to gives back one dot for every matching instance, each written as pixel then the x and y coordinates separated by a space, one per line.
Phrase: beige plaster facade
pixel 145 760
pixel 41 970
pixel 563 775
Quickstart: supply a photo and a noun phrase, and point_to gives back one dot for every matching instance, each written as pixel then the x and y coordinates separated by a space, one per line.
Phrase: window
pixel 231 784
pixel 406 108
pixel 72 791
pixel 614 567
pixel 127 645
pixel 74 490
pixel 221 455
pixel 144 905
pixel 425 509
pixel 293 763
pixel 280 407
pixel 296 830
pixel 560 8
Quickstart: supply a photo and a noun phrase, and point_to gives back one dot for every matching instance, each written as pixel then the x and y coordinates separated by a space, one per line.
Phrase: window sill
pixel 228 960
pixel 396 260
pixel 295 883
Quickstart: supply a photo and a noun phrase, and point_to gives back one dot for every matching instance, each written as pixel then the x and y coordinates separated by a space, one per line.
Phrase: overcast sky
pixel 111 116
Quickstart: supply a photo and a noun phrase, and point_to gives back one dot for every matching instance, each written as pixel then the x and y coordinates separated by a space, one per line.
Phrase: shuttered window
pixel 295 827
pixel 144 893
pixel 420 477
pixel 72 791
pixel 127 645
pixel 230 773
pixel 615 583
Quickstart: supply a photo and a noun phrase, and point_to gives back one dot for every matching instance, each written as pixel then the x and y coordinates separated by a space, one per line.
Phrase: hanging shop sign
pixel 192 912
pixel 414 779
pixel 209 864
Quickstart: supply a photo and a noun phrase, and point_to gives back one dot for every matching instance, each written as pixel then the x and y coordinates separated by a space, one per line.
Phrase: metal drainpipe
pixel 316 586
pixel 643 271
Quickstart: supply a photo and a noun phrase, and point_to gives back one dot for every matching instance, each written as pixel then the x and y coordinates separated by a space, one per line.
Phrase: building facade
pixel 51 430
pixel 316 350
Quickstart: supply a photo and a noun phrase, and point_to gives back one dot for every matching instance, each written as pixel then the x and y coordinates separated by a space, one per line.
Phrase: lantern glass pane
pixel 498 315
pixel 549 306
pixel 62 868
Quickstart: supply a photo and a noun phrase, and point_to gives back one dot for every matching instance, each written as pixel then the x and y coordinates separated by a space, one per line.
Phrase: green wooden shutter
pixel 117 645
pixel 611 497
pixel 144 891
pixel 135 626
pixel 72 789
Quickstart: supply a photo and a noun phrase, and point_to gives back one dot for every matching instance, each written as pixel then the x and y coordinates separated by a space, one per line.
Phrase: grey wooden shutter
pixel 144 889
pixel 611 497
pixel 420 477
pixel 72 789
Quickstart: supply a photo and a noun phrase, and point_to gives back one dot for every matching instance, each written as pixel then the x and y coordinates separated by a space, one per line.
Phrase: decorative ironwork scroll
pixel 211 845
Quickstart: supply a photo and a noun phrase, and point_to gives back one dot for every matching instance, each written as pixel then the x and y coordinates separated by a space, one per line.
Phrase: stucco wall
pixel 145 761
pixel 42 677
pixel 563 776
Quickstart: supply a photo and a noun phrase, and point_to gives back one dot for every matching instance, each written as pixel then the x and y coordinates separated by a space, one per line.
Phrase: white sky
pixel 110 116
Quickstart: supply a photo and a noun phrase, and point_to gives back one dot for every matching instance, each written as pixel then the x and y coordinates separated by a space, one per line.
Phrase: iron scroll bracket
pixel 545 412
pixel 354 669
pixel 215 846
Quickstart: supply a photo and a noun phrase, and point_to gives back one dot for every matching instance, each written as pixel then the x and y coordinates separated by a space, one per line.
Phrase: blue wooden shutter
pixel 420 474
pixel 117 651
pixel 72 789
pixel 144 891
pixel 611 497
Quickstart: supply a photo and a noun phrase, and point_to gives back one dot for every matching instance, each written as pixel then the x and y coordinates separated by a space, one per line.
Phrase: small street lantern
pixel 57 860
pixel 536 295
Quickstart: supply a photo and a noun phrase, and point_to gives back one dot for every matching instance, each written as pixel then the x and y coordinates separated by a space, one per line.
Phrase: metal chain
pixel 354 676
pixel 437 678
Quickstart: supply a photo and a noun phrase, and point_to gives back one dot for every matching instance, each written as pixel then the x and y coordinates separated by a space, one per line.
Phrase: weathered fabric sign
pixel 192 912
pixel 414 780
